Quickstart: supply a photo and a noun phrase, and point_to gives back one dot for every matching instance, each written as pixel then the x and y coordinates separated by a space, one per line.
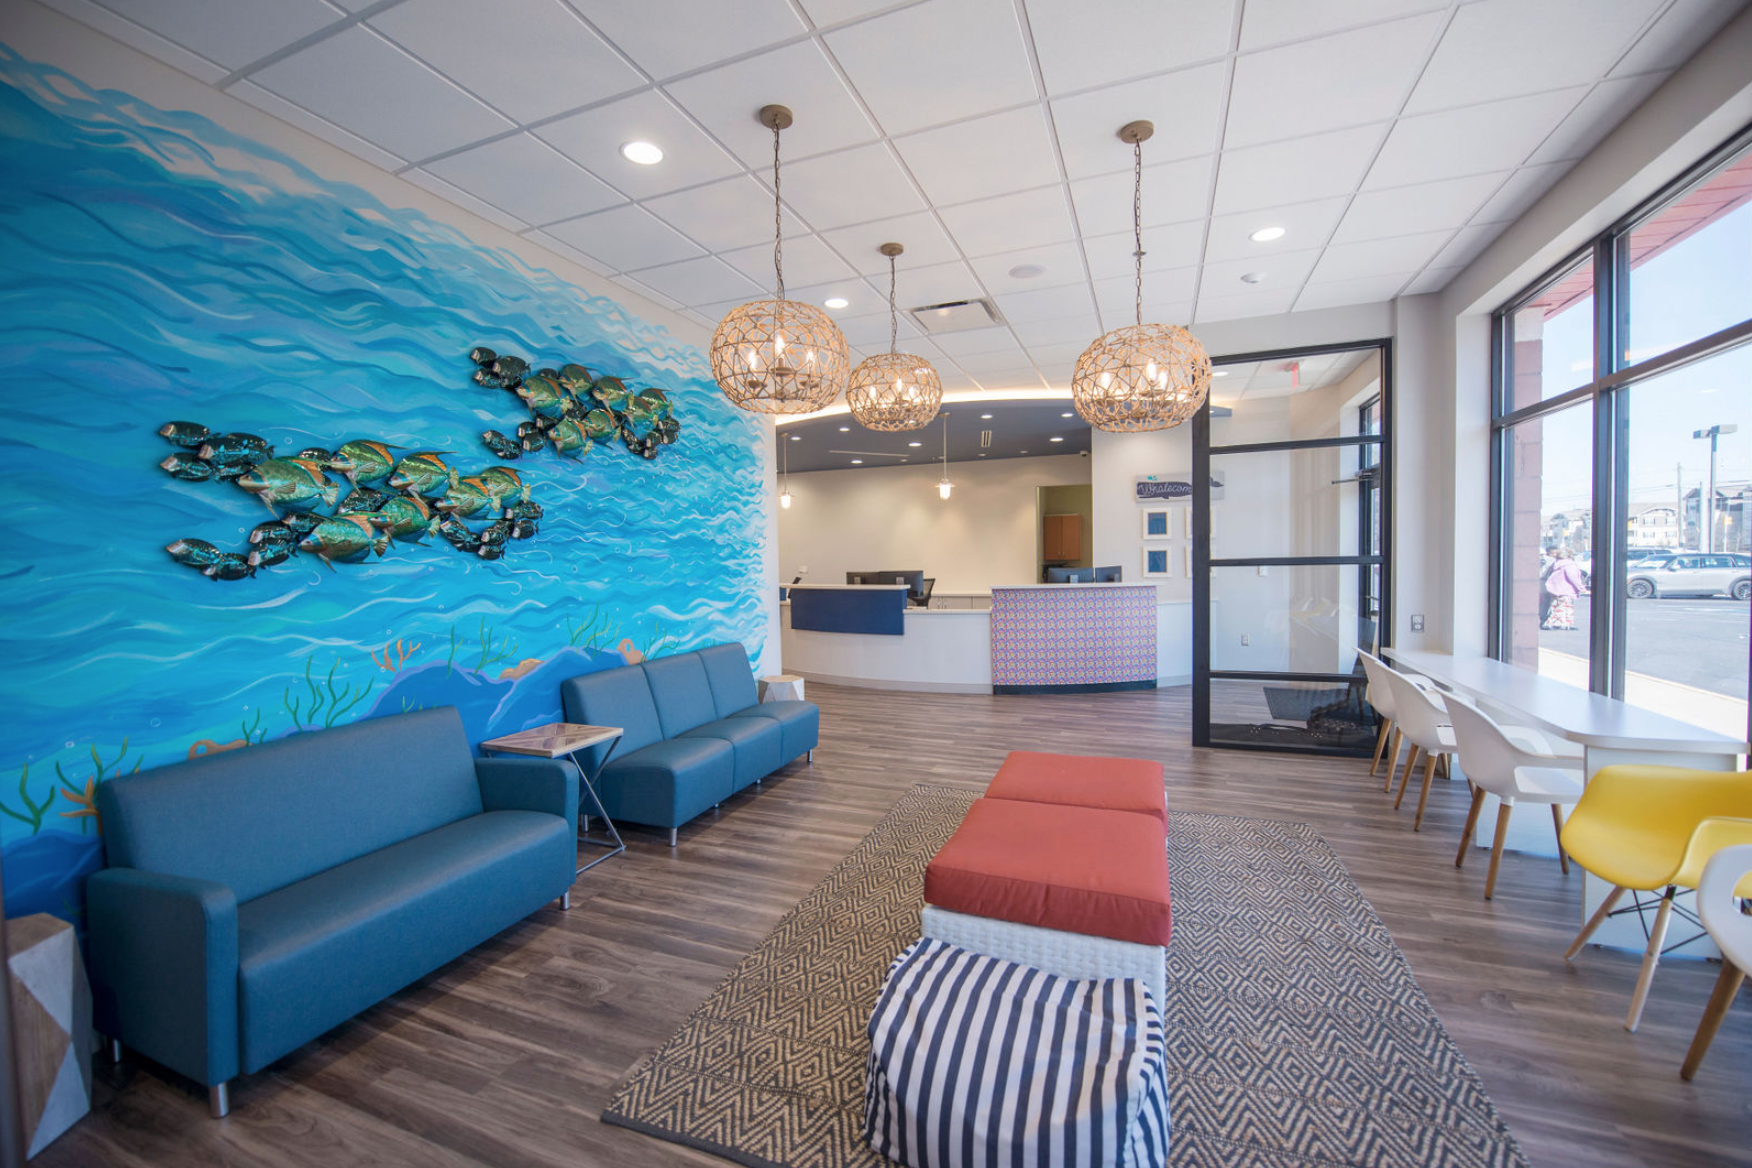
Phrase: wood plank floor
pixel 507 1056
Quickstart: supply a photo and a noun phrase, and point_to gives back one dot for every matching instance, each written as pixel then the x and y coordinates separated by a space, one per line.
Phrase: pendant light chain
pixel 1138 230
pixel 893 312
pixel 778 223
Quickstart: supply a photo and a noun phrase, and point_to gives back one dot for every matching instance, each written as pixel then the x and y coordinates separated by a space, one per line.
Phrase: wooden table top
pixel 555 740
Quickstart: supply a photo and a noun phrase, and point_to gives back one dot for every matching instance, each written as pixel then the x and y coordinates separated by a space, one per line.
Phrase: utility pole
pixel 1679 504
pixel 1714 434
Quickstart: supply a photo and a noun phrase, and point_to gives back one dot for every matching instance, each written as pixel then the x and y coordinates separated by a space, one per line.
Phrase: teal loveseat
pixel 694 732
pixel 258 898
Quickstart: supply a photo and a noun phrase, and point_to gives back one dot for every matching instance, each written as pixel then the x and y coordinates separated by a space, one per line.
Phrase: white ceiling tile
pixel 667 37
pixel 1003 360
pixel 624 238
pixel 871 333
pixel 1505 48
pixel 297 115
pixel 1079 41
pixel 137 36
pixel 1681 31
pixel 538 60
pixel 1497 135
pixel 527 178
pixel 1046 303
pixel 1308 87
pixel 700 281
pixel 1065 352
pixel 645 290
pixel 1024 377
pixel 727 101
pixel 1268 303
pixel 985 340
pixel 1314 167
pixel 1186 108
pixel 853 186
pixel 936 284
pixel 808 261
pixel 1518 192
pixel 937 62
pixel 232 33
pixel 1423 207
pixel 1368 290
pixel 920 234
pixel 1606 105
pixel 731 213
pixel 1058 330
pixel 1175 245
pixel 827 12
pixel 1173 193
pixel 1024 219
pixel 1063 263
pixel 1430 280
pixel 1401 255
pixel 1163 292
pixel 464 200
pixel 593 140
pixel 1305 224
pixel 567 251
pixel 1276 22
pixel 862 299
pixel 987 156
pixel 1467 243
pixel 371 88
pixel 1282 270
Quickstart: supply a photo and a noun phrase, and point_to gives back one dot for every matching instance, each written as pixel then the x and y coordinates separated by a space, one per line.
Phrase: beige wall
pixel 985 534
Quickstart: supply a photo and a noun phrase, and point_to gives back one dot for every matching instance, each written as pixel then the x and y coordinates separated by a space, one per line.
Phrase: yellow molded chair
pixel 1723 879
pixel 1639 827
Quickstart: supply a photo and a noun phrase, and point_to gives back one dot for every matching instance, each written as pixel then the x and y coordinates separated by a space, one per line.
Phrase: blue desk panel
pixel 881 611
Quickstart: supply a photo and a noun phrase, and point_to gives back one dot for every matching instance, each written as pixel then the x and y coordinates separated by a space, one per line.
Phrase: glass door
pixel 1291 478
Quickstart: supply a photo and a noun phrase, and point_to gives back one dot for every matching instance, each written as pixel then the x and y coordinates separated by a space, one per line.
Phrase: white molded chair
pixel 1731 930
pixel 1499 766
pixel 1380 695
pixel 1423 721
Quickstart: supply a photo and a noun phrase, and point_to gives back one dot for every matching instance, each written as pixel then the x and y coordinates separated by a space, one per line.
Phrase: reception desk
pixel 1073 638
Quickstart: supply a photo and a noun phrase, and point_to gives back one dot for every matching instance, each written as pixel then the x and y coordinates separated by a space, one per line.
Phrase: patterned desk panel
pixel 1088 637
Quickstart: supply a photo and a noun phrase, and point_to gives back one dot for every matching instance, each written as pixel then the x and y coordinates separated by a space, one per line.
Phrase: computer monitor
pixel 1109 575
pixel 1070 575
pixel 914 581
pixel 863 578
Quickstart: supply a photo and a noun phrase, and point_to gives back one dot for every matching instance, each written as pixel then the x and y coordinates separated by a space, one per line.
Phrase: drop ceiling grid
pixel 1663 24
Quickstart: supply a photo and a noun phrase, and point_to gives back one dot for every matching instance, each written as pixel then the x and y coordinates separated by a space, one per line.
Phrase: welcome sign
pixel 1150 489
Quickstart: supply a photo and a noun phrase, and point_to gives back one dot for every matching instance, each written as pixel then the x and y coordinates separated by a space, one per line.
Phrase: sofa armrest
pixel 164 968
pixel 529 784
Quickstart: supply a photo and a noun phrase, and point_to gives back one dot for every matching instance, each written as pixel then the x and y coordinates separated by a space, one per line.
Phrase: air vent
pixel 957 316
pixel 985 439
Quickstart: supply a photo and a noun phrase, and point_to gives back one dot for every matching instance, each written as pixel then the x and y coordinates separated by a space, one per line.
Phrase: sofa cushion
pixel 315 953
pixel 667 783
pixel 799 723
pixel 271 815
pixel 615 697
pixel 1075 869
pixel 682 694
pixel 731 678
pixel 1118 784
pixel 757 743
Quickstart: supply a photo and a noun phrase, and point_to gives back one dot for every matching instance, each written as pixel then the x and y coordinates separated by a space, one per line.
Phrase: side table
pixel 51 1021
pixel 781 687
pixel 565 740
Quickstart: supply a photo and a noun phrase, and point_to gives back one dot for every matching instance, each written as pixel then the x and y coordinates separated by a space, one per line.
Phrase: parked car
pixel 1717 574
pixel 1650 559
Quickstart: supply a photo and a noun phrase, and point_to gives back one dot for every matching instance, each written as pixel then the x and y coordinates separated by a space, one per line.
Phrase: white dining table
pixel 1609 731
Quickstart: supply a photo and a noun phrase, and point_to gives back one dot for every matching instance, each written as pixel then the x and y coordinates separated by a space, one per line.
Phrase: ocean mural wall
pixel 154 267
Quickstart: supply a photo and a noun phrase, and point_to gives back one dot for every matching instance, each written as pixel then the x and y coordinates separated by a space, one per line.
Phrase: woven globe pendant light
pixel 1141 376
pixel 779 356
pixel 894 390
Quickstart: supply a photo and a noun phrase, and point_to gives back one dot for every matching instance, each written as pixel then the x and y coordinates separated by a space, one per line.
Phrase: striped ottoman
pixel 977 1061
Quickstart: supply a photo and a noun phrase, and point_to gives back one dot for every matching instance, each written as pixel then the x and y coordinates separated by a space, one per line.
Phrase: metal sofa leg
pixel 809 755
pixel 115 1050
pixel 672 832
pixel 219 1100
pixel 565 901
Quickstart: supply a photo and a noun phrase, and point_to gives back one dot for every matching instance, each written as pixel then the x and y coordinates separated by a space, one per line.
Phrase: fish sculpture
pixel 404 517
pixel 350 537
pixel 496 532
pixel 231 449
pixel 363 461
pixel 501 483
pixel 290 484
pixel 490 551
pixel 196 553
pixel 509 369
pixel 467 498
pixel 269 554
pixel 187 467
pixel 569 439
pixel 544 398
pixel 363 500
pixel 317 454
pixel 459 535
pixel 609 390
pixel 599 424
pixel 189 434
pixel 274 533
pixel 523 510
pixel 229 566
pixel 501 446
pixel 524 528
pixel 531 437
pixel 575 379
pixel 424 473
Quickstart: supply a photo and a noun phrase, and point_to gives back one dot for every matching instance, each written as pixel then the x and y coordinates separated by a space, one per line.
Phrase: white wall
pixel 985 534
pixel 1119 461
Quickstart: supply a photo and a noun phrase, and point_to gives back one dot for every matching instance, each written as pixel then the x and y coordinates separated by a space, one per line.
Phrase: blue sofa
pixel 694 733
pixel 257 898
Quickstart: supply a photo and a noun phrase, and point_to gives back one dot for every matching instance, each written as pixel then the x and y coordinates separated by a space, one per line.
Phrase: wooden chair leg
pixel 1380 745
pixel 1496 847
pixel 1726 986
pixel 1478 794
pixel 1393 758
pixel 1651 958
pixel 1424 795
pixel 1557 823
pixel 1405 779
pixel 1600 914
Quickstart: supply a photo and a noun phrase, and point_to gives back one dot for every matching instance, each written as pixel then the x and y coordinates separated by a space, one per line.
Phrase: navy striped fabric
pixel 977 1062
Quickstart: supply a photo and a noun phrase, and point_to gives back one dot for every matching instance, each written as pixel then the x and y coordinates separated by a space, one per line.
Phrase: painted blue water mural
pixel 156 267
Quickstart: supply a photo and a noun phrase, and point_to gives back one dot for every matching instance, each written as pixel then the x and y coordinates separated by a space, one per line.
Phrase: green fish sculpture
pixel 404 517
pixel 544 398
pixel 502 483
pixel 610 391
pixel 467 498
pixel 599 424
pixel 424 473
pixel 569 439
pixel 351 537
pixel 289 484
pixel 363 461
pixel 190 434
pixel 575 379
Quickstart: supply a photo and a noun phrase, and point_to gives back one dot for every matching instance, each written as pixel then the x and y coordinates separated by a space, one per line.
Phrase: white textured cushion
pixel 1054 950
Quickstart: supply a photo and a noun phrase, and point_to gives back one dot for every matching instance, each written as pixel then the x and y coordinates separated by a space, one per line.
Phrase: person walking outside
pixel 1563 584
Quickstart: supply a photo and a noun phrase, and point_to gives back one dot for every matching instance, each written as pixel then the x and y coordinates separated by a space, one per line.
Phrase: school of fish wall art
pixel 414 495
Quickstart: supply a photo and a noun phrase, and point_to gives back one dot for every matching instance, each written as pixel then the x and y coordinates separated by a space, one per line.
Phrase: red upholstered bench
pixel 1117 784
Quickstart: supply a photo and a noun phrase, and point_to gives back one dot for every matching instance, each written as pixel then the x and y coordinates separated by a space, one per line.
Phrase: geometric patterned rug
pixel 1297 1037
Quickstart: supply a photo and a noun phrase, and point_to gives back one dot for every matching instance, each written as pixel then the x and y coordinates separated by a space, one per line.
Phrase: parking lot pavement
pixel 1696 642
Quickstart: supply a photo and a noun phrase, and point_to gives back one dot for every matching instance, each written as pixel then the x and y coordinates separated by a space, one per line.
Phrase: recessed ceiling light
pixel 796 437
pixel 986 417
pixel 1055 438
pixel 1219 373
pixel 1252 277
pixel 857 462
pixel 1068 414
pixel 643 153
pixel 915 443
pixel 1024 452
pixel 1267 234
pixel 982 454
pixel 845 429
pixel 1027 271
pixel 836 302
